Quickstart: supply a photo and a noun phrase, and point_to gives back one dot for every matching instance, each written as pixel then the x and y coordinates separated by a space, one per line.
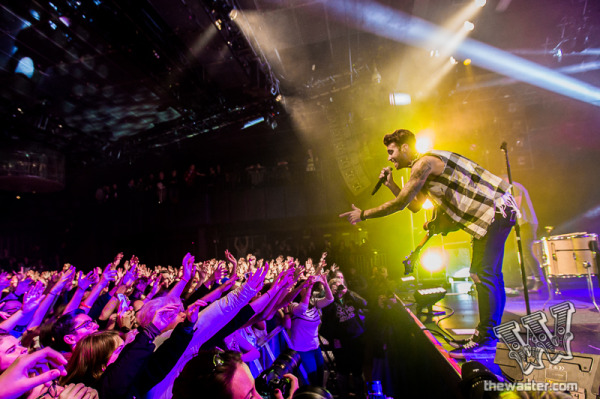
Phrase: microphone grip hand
pixel 383 178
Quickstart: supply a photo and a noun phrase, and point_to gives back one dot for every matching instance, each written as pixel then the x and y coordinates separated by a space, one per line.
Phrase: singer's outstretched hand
pixel 353 216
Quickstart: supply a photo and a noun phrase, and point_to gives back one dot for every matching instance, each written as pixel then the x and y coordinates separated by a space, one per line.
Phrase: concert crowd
pixel 130 330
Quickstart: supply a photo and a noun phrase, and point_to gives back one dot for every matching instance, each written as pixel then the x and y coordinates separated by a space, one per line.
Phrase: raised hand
pixel 165 316
pixel 322 278
pixel 156 286
pixel 322 263
pixel 144 271
pixel 66 276
pixel 109 274
pixel 220 271
pixel 257 279
pixel 126 318
pixel 86 281
pixel 288 277
pixel 33 297
pixel 123 306
pixel 134 262
pixel 297 272
pixel 189 268
pixel 23 285
pixel 192 311
pixel 233 261
pixel 131 274
pixel 165 282
pixel 117 260
pixel 22 376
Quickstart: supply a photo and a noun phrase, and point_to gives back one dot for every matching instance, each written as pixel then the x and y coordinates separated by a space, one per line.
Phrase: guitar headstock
pixel 409 263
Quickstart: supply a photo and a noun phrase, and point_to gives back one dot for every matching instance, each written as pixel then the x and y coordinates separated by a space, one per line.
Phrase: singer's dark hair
pixel 400 136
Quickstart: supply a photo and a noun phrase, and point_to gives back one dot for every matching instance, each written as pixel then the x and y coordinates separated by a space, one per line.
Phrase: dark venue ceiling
pixel 133 87
pixel 116 77
pixel 111 80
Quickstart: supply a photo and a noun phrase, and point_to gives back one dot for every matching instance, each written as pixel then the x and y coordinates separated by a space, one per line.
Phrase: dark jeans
pixel 532 264
pixel 488 253
pixel 349 359
pixel 312 361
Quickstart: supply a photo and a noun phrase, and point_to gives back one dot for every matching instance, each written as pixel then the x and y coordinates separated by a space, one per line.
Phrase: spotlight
pixel 233 14
pixel 453 61
pixel 424 144
pixel 400 99
pixel 467 61
pixel 427 204
pixel 25 67
pixel 253 122
pixel 469 25
pixel 559 54
pixel 379 19
pixel 35 14
pixel 433 260
pixel 426 298
pixel 480 3
pixel 66 21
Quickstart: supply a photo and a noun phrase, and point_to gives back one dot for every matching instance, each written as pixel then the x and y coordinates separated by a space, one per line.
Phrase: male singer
pixel 477 200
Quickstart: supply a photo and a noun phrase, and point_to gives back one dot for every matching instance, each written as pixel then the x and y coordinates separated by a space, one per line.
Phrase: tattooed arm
pixel 421 170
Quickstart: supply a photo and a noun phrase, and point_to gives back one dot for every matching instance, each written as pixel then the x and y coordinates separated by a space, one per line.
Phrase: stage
pixel 460 305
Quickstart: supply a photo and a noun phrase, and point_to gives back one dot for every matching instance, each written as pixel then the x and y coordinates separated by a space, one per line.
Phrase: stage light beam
pixel 253 122
pixel 25 67
pixel 427 205
pixel 400 99
pixel 433 260
pixel 378 19
pixel 424 144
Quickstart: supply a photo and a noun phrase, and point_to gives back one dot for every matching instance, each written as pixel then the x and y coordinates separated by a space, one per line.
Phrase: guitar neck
pixel 423 242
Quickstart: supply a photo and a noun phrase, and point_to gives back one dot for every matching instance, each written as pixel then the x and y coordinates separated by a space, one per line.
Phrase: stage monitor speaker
pixel 583 369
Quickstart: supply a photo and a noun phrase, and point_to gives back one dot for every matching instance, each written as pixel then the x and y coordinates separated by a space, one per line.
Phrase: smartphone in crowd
pixel 123 302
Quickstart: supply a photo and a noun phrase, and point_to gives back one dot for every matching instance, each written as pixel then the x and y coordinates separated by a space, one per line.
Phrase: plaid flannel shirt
pixel 467 193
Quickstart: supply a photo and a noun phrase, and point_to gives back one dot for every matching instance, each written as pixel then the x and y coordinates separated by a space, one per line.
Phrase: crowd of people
pixel 169 186
pixel 129 330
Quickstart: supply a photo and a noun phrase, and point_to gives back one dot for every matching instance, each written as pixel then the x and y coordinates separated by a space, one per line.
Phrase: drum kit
pixel 572 255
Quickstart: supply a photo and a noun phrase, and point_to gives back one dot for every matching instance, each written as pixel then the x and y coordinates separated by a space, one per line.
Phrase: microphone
pixel 380 182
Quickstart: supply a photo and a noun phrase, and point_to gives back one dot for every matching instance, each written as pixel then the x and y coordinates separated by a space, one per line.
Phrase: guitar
pixel 440 223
